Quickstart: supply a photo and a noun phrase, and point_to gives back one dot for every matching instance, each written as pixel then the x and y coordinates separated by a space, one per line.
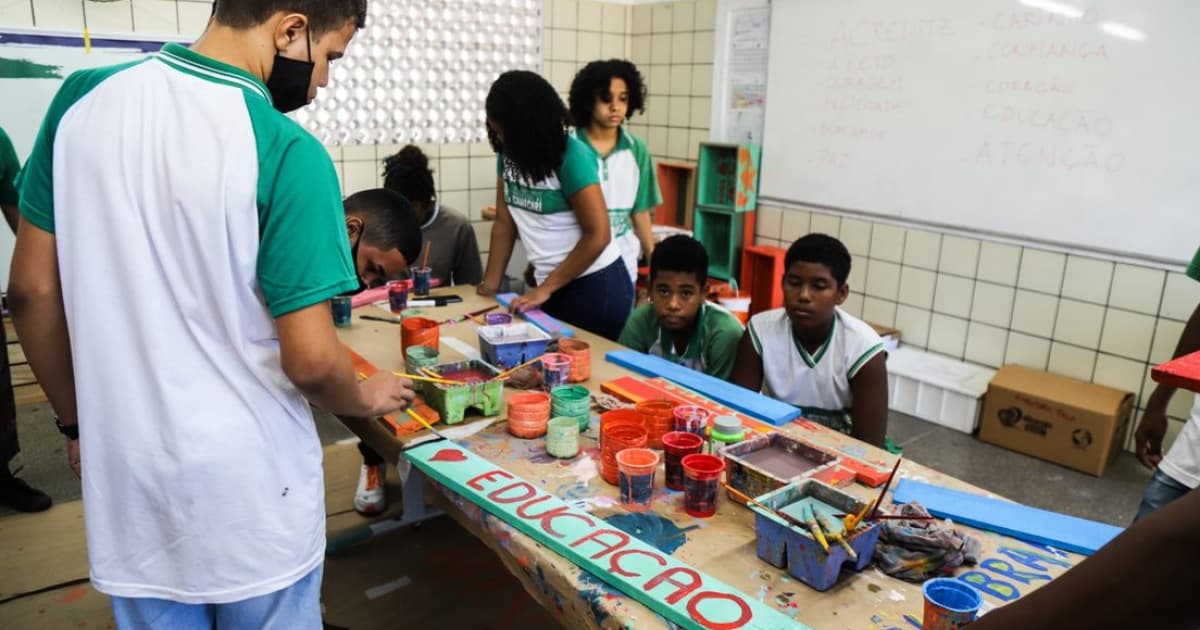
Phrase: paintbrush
pixel 377 318
pixel 416 416
pixel 787 517
pixel 425 262
pixel 852 520
pixel 428 379
pixel 464 317
pixel 837 538
pixel 884 489
pixel 815 528
pixel 506 373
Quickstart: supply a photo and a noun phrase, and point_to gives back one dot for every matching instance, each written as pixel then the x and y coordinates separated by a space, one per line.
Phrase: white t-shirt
pixel 189 214
pixel 817 383
pixel 1182 461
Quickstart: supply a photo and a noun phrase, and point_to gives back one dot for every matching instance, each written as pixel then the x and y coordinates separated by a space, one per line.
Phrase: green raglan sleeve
pixel 720 352
pixel 640 329
pixel 649 196
pixel 578 170
pixel 10 165
pixel 1193 270
pixel 303 251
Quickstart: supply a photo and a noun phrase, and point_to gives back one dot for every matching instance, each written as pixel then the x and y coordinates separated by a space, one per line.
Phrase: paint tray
pixel 452 401
pixel 768 461
pixel 510 345
pixel 783 545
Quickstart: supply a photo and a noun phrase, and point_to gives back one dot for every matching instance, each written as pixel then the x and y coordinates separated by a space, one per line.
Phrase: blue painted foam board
pixel 539 318
pixel 1011 519
pixel 750 403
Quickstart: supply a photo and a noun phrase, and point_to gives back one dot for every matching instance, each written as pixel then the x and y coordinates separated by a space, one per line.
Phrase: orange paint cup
pixel 419 331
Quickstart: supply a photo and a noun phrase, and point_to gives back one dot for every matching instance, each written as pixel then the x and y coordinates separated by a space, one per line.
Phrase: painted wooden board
pixel 752 403
pixel 671 588
pixel 1011 519
pixel 538 318
pixel 1183 372
pixel 398 424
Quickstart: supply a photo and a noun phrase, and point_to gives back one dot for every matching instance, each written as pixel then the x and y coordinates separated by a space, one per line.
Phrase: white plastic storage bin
pixel 936 388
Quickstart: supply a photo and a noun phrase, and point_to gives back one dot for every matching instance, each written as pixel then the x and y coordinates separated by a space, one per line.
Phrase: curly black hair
pixel 408 173
pixel 532 119
pixel 593 81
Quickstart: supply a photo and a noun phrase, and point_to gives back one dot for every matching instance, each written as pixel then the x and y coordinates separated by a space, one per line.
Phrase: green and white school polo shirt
pixel 1182 461
pixel 627 178
pixel 712 348
pixel 188 214
pixel 543 214
pixel 817 383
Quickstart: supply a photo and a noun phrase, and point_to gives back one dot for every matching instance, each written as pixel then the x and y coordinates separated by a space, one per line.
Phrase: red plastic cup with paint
pixel 618 439
pixel 692 419
pixel 676 446
pixel 635 473
pixel 556 369
pixel 419 331
pixel 658 415
pixel 950 604
pixel 528 414
pixel 397 295
pixel 701 478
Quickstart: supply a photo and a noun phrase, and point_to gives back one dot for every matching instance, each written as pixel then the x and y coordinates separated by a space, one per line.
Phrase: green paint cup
pixel 417 357
pixel 573 401
pixel 562 437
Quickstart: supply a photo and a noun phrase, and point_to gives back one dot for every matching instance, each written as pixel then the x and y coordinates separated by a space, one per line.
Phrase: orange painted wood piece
pixel 837 476
pixel 1183 372
pixel 762 275
pixel 398 424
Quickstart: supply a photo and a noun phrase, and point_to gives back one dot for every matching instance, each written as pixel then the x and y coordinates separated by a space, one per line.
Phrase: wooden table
pixel 722 546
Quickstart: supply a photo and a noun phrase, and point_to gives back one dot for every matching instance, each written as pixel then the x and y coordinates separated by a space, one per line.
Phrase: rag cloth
pixel 916 550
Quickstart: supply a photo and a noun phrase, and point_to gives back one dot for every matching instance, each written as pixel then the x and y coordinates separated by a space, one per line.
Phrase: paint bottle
pixel 726 430
pixel 341 310
pixel 562 437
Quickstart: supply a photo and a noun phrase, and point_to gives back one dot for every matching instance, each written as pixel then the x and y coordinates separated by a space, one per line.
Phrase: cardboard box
pixel 1055 418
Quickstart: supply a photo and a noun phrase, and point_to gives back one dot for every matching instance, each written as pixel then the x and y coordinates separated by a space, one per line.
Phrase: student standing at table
pixel 454 252
pixel 548 192
pixel 180 240
pixel 603 96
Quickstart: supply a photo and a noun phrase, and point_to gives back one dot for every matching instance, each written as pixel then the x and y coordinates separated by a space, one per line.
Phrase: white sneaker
pixel 370 498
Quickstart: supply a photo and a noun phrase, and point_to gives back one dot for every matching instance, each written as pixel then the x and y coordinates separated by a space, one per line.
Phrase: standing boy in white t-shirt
pixel 814 355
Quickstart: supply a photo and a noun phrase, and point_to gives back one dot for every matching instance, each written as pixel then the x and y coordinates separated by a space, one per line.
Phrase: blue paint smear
pixel 654 530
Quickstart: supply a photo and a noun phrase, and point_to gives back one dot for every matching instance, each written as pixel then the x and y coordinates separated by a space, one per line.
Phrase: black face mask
pixel 362 286
pixel 290 79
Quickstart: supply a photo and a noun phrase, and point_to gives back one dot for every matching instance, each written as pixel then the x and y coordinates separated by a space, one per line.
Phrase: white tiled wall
pixel 993 303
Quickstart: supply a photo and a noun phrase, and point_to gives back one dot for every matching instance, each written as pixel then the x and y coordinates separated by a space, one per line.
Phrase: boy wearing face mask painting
pixel 180 239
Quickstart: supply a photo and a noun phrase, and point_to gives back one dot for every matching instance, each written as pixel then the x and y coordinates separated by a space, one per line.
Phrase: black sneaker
pixel 18 495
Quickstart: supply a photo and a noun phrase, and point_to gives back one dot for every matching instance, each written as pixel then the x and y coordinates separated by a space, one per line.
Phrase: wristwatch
pixel 69 430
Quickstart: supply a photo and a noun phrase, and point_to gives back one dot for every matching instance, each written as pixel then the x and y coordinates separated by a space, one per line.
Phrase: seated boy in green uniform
pixel 678 325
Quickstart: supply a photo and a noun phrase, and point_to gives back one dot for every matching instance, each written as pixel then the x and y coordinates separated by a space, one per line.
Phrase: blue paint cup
pixel 421 277
pixel 950 604
pixel 341 311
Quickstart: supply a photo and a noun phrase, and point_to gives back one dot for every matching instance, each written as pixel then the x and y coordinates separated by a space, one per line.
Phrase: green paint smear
pixel 26 69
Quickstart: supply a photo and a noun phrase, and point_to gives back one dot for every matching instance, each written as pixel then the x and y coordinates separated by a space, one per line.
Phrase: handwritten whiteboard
pixel 1053 122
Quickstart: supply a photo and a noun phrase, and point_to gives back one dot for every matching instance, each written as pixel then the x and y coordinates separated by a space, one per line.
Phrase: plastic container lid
pixel 727 425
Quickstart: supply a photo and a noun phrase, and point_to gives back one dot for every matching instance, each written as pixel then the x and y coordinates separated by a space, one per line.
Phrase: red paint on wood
pixel 1183 372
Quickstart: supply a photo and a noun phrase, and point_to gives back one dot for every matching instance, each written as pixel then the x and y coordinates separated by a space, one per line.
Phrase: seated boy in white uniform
pixel 814 355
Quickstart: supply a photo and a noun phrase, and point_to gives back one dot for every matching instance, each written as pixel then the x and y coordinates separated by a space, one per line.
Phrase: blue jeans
pixel 1161 490
pixel 297 607
pixel 599 302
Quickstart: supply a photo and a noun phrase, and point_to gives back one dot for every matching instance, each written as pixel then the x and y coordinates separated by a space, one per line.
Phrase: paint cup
pixel 556 367
pixel 618 439
pixel 418 357
pixel 676 446
pixel 618 417
pixel 497 319
pixel 421 277
pixel 528 414
pixel 692 419
pixel 635 475
pixel 418 331
pixel 950 604
pixel 397 295
pixel 659 418
pixel 726 430
pixel 340 305
pixel 572 401
pixel 701 476
pixel 737 304
pixel 562 437
pixel 581 359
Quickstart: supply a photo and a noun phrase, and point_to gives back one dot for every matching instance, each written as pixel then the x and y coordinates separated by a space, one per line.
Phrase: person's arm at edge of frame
pixel 36 300
pixel 595 234
pixel 869 411
pixel 748 369
pixel 504 235
pixel 1144 578
pixel 1150 431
